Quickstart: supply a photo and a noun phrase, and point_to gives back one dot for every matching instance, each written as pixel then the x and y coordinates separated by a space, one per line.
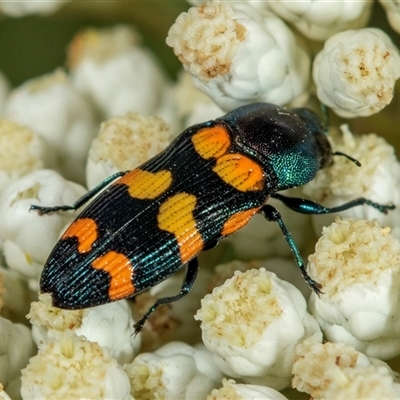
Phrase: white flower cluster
pixel 22 8
pixel 233 390
pixel 56 111
pixel 73 367
pixel 239 53
pixel 378 178
pixel 319 20
pixel 356 71
pixel 336 371
pixel 245 325
pixel 21 151
pixel 175 371
pixel 27 238
pixel 316 19
pixel 111 68
pixel 358 264
pixel 124 143
pixel 250 317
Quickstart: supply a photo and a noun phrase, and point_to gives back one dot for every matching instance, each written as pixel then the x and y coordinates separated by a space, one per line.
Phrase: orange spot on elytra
pixel 146 185
pixel 176 216
pixel 120 270
pixel 239 171
pixel 237 221
pixel 85 230
pixel 211 142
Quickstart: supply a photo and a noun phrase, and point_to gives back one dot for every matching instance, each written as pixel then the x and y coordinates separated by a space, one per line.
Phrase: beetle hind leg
pixel 187 285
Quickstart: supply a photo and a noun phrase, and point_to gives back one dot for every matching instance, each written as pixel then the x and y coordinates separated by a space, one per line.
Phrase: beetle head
pixel 291 142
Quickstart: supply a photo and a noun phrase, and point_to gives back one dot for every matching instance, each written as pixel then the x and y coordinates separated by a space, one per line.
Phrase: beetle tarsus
pixel 49 210
pixel 272 214
pixel 188 282
pixel 383 208
pixel 314 285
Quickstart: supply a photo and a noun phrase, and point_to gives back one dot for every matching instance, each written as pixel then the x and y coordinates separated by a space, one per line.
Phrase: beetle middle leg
pixel 191 273
pixel 272 214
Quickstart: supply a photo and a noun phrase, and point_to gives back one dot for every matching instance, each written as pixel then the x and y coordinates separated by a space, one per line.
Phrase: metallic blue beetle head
pixel 290 141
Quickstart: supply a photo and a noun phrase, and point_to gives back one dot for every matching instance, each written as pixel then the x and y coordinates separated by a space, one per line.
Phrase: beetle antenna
pixel 339 153
pixel 325 113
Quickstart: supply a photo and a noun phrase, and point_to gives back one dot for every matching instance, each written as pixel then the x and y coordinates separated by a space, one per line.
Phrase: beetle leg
pixel 81 201
pixel 272 214
pixel 187 285
pixel 305 206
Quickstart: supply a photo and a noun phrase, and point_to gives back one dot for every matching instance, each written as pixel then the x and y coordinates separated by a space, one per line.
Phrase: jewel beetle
pixel 149 222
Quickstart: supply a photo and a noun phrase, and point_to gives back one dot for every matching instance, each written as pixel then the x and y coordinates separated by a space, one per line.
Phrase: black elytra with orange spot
pixel 149 222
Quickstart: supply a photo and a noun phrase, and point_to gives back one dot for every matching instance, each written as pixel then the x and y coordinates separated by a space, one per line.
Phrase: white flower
pixel 52 319
pixel 124 143
pixel 369 383
pixel 109 325
pixel 238 55
pixel 13 286
pixel 187 96
pixel 392 8
pixel 252 3
pixel 202 112
pixel 52 107
pixel 356 71
pixel 377 179
pixel 319 19
pixel 358 265
pixel 17 8
pixel 3 394
pixel 192 105
pixel 27 236
pixel 252 324
pixel 72 367
pixel 287 270
pixel 315 362
pixel 175 371
pixel 232 390
pixel 176 320
pixel 117 74
pixel 21 151
pixel 16 347
pixel 284 268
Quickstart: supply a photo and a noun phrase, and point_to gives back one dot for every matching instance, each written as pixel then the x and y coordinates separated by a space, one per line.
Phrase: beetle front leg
pixel 272 214
pixel 81 201
pixel 191 273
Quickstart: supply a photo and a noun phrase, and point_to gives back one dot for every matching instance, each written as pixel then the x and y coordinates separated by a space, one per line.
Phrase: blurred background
pixel 33 45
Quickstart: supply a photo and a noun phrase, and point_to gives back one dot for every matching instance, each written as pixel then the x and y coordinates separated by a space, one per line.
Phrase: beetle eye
pixel 326 160
pixel 325 150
